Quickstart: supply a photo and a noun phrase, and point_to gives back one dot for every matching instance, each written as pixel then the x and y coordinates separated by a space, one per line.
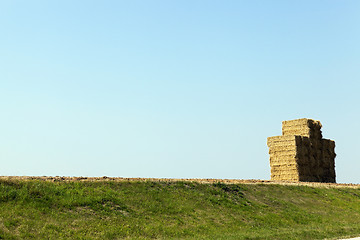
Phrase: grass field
pixel 38 209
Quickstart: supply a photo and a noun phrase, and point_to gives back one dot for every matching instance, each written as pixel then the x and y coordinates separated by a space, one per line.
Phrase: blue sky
pixel 183 89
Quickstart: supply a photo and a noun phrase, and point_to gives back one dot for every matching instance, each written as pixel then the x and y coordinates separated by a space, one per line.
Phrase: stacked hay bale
pixel 301 154
pixel 302 127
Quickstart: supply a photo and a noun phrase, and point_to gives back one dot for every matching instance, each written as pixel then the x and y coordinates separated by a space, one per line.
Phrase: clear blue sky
pixel 183 89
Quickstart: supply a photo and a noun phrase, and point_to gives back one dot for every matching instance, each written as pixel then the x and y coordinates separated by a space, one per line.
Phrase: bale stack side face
pixel 283 152
pixel 301 154
pixel 316 160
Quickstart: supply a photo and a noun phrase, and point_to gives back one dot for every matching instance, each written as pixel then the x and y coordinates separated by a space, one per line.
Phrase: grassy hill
pixel 38 209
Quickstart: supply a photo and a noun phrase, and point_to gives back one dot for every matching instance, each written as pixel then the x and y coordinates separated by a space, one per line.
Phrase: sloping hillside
pixel 103 209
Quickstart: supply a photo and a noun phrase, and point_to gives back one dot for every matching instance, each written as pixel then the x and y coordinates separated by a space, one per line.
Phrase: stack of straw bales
pixel 301 154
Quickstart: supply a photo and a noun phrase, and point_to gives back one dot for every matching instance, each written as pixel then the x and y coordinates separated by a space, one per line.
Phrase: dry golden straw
pixel 301 154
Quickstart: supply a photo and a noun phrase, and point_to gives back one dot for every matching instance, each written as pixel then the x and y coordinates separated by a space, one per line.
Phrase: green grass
pixel 36 209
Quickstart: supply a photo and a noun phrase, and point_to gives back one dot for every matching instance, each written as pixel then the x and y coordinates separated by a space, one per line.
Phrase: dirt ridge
pixel 197 180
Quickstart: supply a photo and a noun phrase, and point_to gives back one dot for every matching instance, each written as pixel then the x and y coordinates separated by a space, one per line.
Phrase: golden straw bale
pixel 281 140
pixel 301 154
pixel 303 127
pixel 301 121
